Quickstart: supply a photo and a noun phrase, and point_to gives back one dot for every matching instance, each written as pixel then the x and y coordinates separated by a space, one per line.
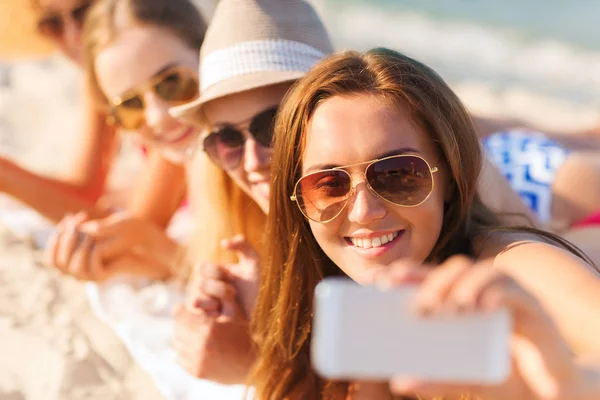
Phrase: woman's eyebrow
pixel 396 152
pixel 154 75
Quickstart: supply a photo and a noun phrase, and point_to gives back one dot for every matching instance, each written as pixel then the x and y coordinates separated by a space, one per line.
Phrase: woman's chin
pixel 174 156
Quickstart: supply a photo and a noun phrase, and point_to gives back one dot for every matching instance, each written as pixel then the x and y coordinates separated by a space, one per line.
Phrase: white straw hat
pixel 256 43
pixel 18 32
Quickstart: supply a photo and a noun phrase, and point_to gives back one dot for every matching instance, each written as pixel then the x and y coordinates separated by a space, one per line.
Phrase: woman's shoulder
pixel 516 248
pixel 503 241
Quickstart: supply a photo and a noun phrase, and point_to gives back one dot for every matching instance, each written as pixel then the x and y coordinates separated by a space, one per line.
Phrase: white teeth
pixel 366 243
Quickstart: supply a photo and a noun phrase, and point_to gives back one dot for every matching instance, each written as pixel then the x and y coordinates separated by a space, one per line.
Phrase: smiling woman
pixel 378 163
pixel 140 59
pixel 141 63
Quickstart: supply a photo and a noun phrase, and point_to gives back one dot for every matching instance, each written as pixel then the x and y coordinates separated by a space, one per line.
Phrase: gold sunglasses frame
pixel 432 170
pixel 143 88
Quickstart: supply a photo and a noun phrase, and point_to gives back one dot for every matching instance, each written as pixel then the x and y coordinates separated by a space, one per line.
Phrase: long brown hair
pixel 283 314
pixel 104 23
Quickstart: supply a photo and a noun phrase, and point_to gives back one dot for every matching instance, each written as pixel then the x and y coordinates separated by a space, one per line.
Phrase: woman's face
pixel 253 173
pixel 61 21
pixel 132 66
pixel 354 129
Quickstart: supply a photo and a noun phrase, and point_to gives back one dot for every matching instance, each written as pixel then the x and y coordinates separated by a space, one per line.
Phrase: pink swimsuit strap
pixel 590 220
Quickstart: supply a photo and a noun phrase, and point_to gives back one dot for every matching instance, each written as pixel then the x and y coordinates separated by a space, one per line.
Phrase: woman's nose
pixel 365 207
pixel 256 156
pixel 156 113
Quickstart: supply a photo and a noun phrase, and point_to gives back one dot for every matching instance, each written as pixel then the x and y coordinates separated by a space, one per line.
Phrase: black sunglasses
pixel 52 25
pixel 225 146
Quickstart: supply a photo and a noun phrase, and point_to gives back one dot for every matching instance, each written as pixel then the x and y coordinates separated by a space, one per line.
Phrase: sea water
pixel 551 47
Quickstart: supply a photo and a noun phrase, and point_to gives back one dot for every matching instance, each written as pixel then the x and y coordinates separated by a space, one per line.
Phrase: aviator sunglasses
pixel 225 145
pixel 403 180
pixel 175 85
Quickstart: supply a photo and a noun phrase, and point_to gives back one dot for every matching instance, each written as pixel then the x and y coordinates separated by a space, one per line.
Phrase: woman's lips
pixel 374 247
pixel 187 132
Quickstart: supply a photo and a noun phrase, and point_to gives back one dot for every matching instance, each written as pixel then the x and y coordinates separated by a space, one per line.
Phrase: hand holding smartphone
pixel 363 333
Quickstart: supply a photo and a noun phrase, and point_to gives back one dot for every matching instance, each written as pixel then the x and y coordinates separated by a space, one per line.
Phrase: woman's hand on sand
pixel 543 365
pixel 120 234
pixel 212 339
pixel 72 252
pixel 100 249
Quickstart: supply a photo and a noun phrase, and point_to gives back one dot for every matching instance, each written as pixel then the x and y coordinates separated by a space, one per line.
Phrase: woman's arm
pixel 160 192
pixel 54 198
pixel 567 287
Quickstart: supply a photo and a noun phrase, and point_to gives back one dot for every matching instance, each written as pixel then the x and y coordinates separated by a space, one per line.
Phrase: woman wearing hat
pixel 253 52
pixel 38 27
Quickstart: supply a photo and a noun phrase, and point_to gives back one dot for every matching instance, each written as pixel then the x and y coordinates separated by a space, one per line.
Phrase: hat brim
pixel 18 35
pixel 189 112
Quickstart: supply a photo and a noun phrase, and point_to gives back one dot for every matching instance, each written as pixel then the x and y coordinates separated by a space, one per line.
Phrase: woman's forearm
pixel 53 198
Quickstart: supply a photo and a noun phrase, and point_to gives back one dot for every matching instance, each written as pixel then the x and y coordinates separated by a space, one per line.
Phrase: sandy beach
pixel 52 347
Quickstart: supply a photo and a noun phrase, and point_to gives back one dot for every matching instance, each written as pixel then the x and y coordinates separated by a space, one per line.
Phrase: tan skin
pixel 205 325
pixel 132 242
pixel 210 287
pixel 84 186
pixel 523 266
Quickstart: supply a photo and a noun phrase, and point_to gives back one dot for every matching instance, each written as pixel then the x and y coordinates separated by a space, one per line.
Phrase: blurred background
pixel 537 60
pixel 533 60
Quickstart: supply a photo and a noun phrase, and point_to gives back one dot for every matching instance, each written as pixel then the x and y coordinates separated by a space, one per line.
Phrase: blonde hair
pixel 104 23
pixel 221 210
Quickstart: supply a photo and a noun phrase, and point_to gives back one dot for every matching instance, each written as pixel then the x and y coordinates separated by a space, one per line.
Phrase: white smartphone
pixel 360 332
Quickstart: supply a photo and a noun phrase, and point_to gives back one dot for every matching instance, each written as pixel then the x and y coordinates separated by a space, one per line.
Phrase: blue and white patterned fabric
pixel 529 160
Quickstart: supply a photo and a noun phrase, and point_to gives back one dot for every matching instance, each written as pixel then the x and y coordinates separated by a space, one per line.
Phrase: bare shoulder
pixel 528 253
pixel 494 244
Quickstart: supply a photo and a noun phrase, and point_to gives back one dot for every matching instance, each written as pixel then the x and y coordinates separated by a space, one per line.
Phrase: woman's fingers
pixel 439 283
pixel 112 248
pixel 214 271
pixel 51 251
pixel 109 226
pixel 478 290
pixel 196 295
pixel 79 264
pixel 67 243
pixel 99 272
pixel 242 247
pixel 218 289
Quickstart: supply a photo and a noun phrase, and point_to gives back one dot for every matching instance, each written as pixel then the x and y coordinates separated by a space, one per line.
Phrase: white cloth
pixel 139 313
pixel 257 56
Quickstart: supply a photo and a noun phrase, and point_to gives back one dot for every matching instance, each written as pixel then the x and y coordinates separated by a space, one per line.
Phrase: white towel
pixel 139 312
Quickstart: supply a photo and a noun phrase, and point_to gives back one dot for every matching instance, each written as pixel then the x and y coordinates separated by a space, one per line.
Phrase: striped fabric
pixel 529 160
